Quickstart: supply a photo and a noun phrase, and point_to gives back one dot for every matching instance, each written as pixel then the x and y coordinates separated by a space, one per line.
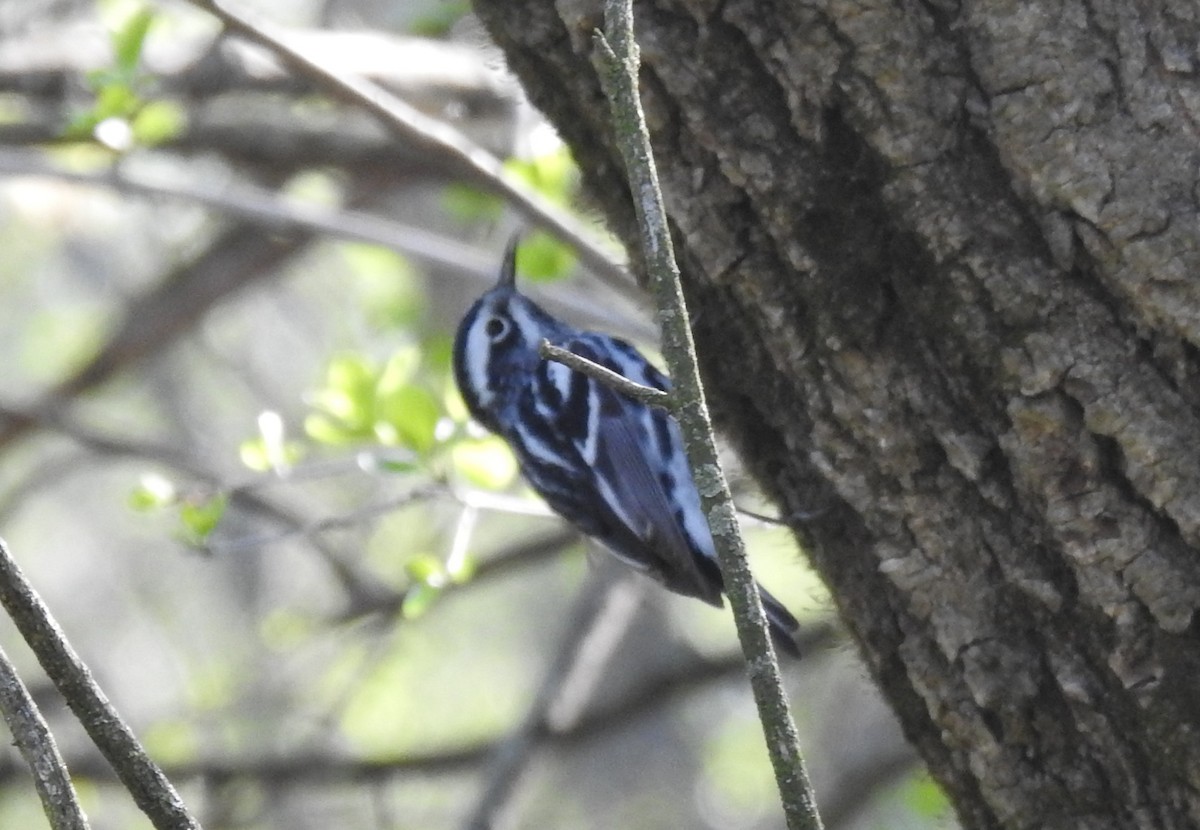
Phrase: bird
pixel 613 467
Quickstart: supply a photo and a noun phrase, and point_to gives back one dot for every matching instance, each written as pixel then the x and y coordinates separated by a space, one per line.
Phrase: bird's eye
pixel 495 328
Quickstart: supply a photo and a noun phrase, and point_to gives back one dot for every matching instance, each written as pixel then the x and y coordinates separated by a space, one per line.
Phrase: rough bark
pixel 943 257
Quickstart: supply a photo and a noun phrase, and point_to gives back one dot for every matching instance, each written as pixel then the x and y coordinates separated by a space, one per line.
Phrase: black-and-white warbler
pixel 613 467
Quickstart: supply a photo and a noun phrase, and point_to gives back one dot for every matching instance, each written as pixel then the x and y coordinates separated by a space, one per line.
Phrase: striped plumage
pixel 613 467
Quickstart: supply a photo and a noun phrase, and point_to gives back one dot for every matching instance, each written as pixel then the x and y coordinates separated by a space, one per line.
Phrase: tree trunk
pixel 942 261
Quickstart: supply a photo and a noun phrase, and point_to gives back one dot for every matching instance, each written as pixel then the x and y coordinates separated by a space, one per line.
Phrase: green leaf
pixel 153 492
pixel 158 122
pixel 116 100
pixel 256 454
pixel 471 205
pixel 424 568
pixel 345 403
pixel 80 126
pixel 393 461
pixel 485 462
pixel 130 38
pixel 542 258
pixel 408 416
pixel 200 518
pixel 329 431
pixel 400 369
pixel 554 174
pixel 924 797
pixel 418 599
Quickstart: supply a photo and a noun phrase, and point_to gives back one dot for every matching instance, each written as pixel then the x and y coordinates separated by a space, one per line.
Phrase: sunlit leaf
pixel 399 370
pixel 153 492
pixel 543 258
pixel 256 455
pixel 553 175
pixel 352 373
pixel 418 599
pixel 116 100
pixel 130 38
pixel 329 431
pixel 485 462
pixel 924 797
pixel 471 205
pixel 201 517
pixel 412 413
pixel 393 461
pixel 424 568
pixel 347 397
pixel 158 122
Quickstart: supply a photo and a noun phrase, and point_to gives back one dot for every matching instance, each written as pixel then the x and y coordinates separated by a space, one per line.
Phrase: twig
pixel 440 141
pixel 630 389
pixel 150 789
pixel 37 746
pixel 618 61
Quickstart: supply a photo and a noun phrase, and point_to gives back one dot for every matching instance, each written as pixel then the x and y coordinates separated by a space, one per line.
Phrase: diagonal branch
pixel 32 737
pixel 618 62
pixel 630 389
pixel 428 135
pixel 150 789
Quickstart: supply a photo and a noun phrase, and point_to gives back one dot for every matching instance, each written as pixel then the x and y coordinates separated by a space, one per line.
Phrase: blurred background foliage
pixel 235 465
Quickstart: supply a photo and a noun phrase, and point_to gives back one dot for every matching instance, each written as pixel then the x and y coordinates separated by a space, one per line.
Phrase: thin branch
pixel 618 62
pixel 439 140
pixel 32 737
pixel 150 789
pixel 630 389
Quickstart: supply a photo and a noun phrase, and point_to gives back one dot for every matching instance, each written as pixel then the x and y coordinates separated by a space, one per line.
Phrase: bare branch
pixel 428 135
pixel 32 737
pixel 617 57
pixel 630 389
pixel 150 789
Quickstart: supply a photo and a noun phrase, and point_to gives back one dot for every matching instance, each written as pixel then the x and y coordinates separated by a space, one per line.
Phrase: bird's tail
pixel 782 624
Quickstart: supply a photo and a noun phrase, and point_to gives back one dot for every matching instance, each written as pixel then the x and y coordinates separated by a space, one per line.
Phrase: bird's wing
pixel 639 475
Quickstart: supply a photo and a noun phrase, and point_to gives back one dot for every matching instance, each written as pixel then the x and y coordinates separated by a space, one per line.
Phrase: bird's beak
pixel 508 268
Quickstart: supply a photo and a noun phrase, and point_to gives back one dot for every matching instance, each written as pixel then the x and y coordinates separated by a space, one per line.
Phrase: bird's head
pixel 496 347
